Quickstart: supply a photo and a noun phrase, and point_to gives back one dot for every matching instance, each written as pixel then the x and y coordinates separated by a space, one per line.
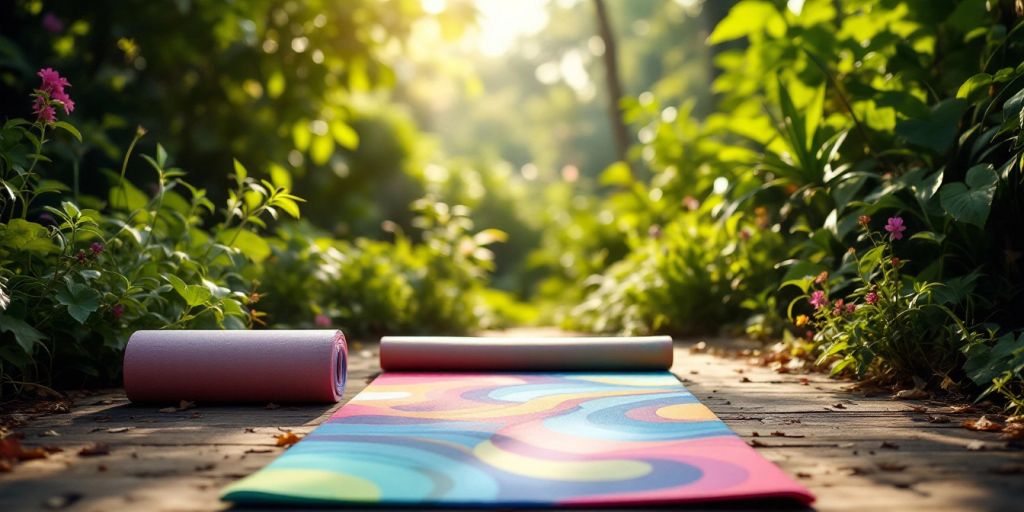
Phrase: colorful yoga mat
pixel 499 439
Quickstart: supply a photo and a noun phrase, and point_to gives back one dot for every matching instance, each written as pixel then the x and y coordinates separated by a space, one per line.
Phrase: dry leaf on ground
pixel 911 394
pixel 94 449
pixel 287 439
pixel 982 424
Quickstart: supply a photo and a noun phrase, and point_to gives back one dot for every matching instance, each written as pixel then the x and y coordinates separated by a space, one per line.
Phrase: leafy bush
pixel 80 273
pixel 828 112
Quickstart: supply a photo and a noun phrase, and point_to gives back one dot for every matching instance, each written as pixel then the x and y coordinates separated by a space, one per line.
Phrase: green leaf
pixel 970 88
pixel 125 196
pixel 744 19
pixel 26 236
pixel 66 126
pixel 80 299
pixel 248 243
pixel 280 176
pixel 161 156
pixel 937 130
pixel 240 173
pixel 47 186
pixel 617 174
pixel 26 335
pixel 344 135
pixel 321 149
pixel 490 236
pixel 194 294
pixel 971 201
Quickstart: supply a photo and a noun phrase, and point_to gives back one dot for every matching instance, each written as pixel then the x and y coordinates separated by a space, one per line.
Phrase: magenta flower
pixel 322 320
pixel 51 94
pixel 850 308
pixel 818 299
pixel 96 247
pixel 895 227
pixel 871 298
pixel 52 24
pixel 117 310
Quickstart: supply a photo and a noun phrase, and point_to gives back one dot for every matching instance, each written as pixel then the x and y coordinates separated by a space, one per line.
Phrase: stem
pixel 124 165
pixel 28 175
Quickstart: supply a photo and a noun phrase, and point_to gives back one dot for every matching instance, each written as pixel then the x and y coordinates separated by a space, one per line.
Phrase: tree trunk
pixel 615 93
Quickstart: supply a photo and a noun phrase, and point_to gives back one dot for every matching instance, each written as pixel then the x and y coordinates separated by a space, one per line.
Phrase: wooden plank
pixel 181 460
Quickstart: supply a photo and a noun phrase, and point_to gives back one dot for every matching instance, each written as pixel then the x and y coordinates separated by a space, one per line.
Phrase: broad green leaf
pixel 66 126
pixel 617 174
pixel 973 85
pixel 280 176
pixel 744 19
pixel 125 196
pixel 248 243
pixel 971 201
pixel 176 283
pixel 26 236
pixel 80 299
pixel 321 149
pixel 26 335
pixel 344 134
pixel 936 131
pixel 47 186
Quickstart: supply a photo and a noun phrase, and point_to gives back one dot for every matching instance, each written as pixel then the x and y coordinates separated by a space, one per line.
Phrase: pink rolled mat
pixel 236 366
pixel 451 353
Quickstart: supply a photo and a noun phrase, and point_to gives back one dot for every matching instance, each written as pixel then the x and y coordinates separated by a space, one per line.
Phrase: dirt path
pixel 855 453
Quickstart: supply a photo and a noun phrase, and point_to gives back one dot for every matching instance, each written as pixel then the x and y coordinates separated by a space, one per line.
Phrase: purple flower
pixel 117 310
pixel 818 299
pixel 52 24
pixel 81 257
pixel 871 298
pixel 43 110
pixel 96 247
pixel 322 320
pixel 895 227
pixel 850 308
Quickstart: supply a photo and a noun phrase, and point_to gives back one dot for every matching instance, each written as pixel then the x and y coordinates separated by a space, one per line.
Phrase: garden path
pixel 854 452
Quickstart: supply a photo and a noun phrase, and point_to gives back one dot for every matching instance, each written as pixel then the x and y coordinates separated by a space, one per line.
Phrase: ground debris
pixel 287 439
pixel 982 424
pixel 94 450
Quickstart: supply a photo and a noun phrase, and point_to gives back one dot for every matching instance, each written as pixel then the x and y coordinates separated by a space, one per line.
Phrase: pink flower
pixel 322 320
pixel 744 234
pixel 850 308
pixel 117 310
pixel 96 247
pixel 818 299
pixel 871 298
pixel 52 24
pixel 895 227
pixel 81 257
pixel 51 94
pixel 838 309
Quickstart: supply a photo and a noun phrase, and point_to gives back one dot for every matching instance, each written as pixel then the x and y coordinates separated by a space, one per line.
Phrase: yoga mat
pixel 450 353
pixel 503 439
pixel 235 366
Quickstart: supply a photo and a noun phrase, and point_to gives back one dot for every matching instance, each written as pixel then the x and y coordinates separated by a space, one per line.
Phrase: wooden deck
pixel 855 453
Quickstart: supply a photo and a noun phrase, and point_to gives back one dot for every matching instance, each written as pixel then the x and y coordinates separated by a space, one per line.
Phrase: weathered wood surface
pixel 161 461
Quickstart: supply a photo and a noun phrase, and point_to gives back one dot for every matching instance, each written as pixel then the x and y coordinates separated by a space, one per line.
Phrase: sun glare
pixel 500 22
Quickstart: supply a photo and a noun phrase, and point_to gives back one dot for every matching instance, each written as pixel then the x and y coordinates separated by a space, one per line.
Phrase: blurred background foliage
pixel 685 166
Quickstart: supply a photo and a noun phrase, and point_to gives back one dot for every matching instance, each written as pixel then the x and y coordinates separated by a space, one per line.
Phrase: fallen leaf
pixel 890 445
pixel 205 467
pixel 857 470
pixel 755 443
pixel 911 394
pixel 891 466
pixel 168 409
pixel 755 434
pixel 250 430
pixel 839 406
pixel 49 433
pixel 11 449
pixel 119 430
pixel 94 449
pixel 286 439
pixel 744 379
pixel 803 475
pixel 778 433
pixel 805 381
pixel 938 418
pixel 919 409
pixel 982 424
pixel 259 450
pixel 975 446
pixel 1013 431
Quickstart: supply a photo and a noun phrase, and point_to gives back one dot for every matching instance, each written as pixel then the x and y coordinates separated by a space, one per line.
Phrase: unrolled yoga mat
pixel 496 439
pixel 235 366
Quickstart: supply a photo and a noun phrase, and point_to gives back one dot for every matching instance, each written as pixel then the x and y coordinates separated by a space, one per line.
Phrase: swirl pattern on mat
pixel 507 439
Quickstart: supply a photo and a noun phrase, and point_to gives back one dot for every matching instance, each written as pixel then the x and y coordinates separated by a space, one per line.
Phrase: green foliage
pixel 827 113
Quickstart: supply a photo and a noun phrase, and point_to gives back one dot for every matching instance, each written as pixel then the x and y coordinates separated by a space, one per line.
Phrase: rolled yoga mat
pixel 236 366
pixel 500 439
pixel 451 353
